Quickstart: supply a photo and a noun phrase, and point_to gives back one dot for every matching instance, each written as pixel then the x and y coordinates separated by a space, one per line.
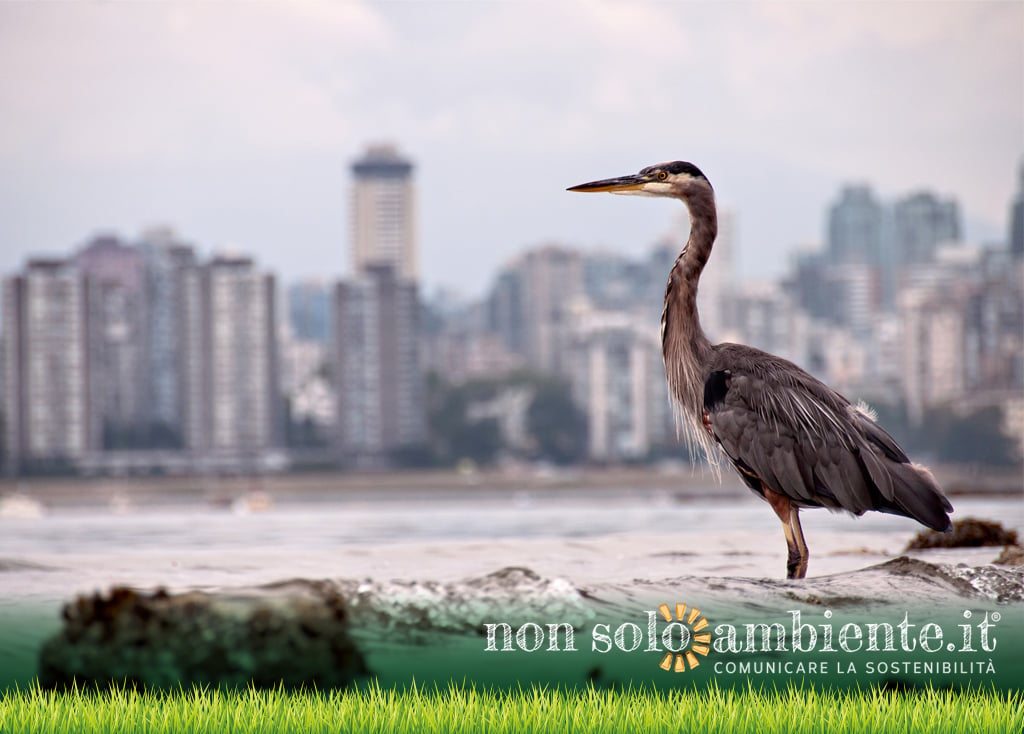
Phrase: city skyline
pixel 674 234
pixel 122 117
pixel 147 346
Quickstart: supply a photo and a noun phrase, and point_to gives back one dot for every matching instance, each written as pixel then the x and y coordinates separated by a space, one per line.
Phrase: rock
pixel 329 633
pixel 967 533
pixel 1012 555
pixel 294 637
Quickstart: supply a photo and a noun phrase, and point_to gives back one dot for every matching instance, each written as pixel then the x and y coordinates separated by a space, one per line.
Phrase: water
pixel 587 537
pixel 590 538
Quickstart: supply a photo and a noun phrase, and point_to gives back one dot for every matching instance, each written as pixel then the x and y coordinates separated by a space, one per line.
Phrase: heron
pixel 794 441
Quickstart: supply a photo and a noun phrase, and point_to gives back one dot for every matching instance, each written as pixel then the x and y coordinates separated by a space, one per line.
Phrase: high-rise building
pixel 933 354
pixel 767 319
pixel 384 228
pixel 855 225
pixel 234 371
pixel 168 264
pixel 808 282
pixel 116 306
pixel 505 311
pixel 309 310
pixel 551 280
pixel 377 374
pixel 375 321
pixel 1017 217
pixel 46 385
pixel 922 223
pixel 854 293
pixel 614 365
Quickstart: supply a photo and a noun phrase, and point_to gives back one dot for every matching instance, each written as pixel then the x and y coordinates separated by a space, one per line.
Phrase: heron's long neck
pixel 684 345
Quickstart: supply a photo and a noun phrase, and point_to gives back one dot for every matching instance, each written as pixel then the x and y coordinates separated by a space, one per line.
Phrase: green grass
pixel 534 710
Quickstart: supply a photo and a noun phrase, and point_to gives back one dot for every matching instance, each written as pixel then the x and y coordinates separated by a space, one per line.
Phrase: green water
pixel 399 655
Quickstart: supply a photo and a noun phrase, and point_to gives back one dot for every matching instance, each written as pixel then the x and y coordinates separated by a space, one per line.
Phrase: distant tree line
pixel 555 428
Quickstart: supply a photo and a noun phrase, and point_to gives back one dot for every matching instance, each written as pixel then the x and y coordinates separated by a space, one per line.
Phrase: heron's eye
pixel 662 175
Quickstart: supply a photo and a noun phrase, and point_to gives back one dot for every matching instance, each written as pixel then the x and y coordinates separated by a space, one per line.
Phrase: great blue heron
pixel 794 441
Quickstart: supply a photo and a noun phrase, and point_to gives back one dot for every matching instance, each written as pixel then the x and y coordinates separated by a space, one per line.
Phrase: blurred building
pixel 922 223
pixel 933 366
pixel 457 343
pixel 855 225
pixel 168 263
pixel 615 369
pixel 533 304
pixel 46 381
pixel 994 325
pixel 116 319
pixel 612 281
pixel 807 281
pixel 375 317
pixel 1016 234
pixel 377 373
pixel 963 329
pixel 384 227
pixel 854 291
pixel 506 314
pixel 308 389
pixel 767 318
pixel 309 311
pixel 234 373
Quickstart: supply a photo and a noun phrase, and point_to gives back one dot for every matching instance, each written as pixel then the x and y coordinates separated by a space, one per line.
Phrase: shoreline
pixel 680 483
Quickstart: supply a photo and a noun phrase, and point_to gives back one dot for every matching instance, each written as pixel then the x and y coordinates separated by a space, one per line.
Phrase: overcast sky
pixel 235 123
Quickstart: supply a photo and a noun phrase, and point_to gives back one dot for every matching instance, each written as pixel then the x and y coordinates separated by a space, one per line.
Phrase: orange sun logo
pixel 693 640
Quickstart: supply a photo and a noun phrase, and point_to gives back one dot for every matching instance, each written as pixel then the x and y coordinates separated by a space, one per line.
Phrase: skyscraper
pixel 309 310
pixel 855 228
pixel 615 368
pixel 376 316
pixel 45 368
pixel 384 228
pixel 115 320
pixel 922 223
pixel 551 279
pixel 1017 217
pixel 239 409
pixel 377 375
pixel 168 263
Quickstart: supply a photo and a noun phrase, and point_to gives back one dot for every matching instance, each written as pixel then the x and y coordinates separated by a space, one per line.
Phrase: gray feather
pixel 809 443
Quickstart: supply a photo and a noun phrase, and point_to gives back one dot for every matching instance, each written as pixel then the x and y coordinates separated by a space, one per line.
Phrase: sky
pixel 236 123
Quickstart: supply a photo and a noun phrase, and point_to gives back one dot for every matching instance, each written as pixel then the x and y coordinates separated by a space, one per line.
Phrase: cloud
pixel 780 102
pixel 105 82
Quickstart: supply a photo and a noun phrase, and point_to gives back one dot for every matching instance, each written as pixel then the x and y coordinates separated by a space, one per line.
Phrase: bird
pixel 795 442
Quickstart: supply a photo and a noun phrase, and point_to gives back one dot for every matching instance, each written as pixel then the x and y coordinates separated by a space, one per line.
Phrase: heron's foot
pixel 797 556
pixel 796 563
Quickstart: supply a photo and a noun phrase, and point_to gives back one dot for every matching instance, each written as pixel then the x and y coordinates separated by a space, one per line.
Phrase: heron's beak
pixel 614 185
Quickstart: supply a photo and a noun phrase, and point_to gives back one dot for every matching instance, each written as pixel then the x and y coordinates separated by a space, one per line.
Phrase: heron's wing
pixel 779 424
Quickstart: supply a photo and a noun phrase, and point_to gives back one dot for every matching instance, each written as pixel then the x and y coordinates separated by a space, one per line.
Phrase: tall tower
pixel 114 278
pixel 169 262
pixel 855 228
pixel 238 378
pixel 380 389
pixel 384 213
pixel 1017 217
pixel 381 408
pixel 46 381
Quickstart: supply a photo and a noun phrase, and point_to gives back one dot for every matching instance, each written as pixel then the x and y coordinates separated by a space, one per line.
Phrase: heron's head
pixel 677 179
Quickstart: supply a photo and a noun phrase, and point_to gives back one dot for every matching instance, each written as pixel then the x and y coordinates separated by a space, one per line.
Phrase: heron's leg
pixel 785 511
pixel 801 545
